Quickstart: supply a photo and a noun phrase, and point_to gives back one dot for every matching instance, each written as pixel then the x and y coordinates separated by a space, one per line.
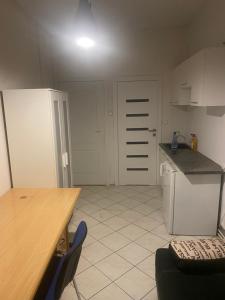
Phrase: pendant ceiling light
pixel 85 25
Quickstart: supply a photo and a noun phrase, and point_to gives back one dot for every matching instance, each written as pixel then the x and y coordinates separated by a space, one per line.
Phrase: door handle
pixel 65 160
pixel 152 130
pixel 161 169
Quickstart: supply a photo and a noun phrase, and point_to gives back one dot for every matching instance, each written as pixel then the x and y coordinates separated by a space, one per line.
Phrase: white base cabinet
pixel 190 202
pixel 196 204
pixel 38 133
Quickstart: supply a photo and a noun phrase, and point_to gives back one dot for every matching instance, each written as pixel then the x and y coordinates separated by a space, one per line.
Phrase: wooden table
pixel 31 223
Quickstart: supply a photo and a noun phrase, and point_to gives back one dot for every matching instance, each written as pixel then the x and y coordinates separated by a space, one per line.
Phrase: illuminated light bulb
pixel 85 42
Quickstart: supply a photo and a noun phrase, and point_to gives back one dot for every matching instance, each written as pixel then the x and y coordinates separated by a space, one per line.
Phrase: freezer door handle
pixel 65 160
pixel 161 169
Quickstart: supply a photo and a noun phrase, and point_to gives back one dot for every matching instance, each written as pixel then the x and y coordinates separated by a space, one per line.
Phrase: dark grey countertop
pixel 190 162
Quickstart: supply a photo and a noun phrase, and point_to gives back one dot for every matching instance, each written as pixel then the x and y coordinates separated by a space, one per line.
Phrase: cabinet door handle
pixel 194 102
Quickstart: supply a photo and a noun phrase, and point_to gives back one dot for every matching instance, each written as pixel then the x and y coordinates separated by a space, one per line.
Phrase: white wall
pixel 23 64
pixel 208 29
pixel 128 54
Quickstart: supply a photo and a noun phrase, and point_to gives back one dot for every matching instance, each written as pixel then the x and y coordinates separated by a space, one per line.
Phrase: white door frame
pixel 156 78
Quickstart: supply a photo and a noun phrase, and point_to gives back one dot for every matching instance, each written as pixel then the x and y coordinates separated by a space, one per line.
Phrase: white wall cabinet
pixel 181 88
pixel 38 132
pixel 200 80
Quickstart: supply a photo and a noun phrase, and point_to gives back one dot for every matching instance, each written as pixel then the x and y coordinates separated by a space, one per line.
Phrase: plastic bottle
pixel 194 142
pixel 174 144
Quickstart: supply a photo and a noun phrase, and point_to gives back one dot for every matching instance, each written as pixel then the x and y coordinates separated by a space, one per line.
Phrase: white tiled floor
pixel 125 227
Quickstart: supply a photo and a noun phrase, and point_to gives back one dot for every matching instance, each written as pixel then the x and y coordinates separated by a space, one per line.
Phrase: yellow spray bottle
pixel 194 142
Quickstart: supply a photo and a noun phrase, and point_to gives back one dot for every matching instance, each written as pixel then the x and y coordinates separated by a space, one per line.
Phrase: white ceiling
pixel 58 15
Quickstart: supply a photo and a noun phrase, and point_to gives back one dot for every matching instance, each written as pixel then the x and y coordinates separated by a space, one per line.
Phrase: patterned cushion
pixel 199 255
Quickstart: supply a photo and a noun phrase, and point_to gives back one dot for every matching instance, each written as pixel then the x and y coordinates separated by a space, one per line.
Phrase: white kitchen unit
pixel 38 133
pixel 199 81
pixel 190 202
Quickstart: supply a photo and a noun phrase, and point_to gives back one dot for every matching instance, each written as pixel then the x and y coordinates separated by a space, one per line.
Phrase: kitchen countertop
pixel 190 162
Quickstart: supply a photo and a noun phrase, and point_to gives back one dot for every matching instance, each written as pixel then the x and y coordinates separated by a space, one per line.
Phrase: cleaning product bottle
pixel 194 142
pixel 174 144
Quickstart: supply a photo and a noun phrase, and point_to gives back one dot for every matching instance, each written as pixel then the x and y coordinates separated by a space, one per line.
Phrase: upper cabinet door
pixel 181 85
pixel 214 77
pixel 196 78
pixel 200 80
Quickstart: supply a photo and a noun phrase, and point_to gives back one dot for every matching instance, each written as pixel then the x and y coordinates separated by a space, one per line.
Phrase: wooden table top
pixel 31 223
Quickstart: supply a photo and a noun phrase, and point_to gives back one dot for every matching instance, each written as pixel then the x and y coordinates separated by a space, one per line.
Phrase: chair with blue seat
pixel 61 270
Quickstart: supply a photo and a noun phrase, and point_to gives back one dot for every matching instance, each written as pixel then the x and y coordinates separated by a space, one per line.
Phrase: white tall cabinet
pixel 38 133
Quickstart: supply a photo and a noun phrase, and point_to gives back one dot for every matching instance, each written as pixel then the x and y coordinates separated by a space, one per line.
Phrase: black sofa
pixel 173 284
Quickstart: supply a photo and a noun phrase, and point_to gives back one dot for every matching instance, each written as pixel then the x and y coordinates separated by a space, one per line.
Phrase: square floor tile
pixel 157 215
pixel 115 241
pixel 144 209
pixel 89 208
pixel 151 242
pixel 130 203
pixel 81 202
pixel 102 215
pixel 135 283
pixel 131 215
pixel 88 241
pixel 155 203
pixel 141 198
pixel 147 223
pixel 148 266
pixel 91 222
pixel 163 233
pixel 118 197
pixel 105 203
pixel 94 198
pixel 70 293
pixel 117 208
pixel 95 252
pixel 156 192
pixel 99 231
pixel 128 192
pixel 114 266
pixel 152 295
pixel 116 223
pixel 106 193
pixel 132 232
pixel 111 292
pixel 91 282
pixel 134 253
pixel 85 193
pixel 79 216
pixel 83 265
